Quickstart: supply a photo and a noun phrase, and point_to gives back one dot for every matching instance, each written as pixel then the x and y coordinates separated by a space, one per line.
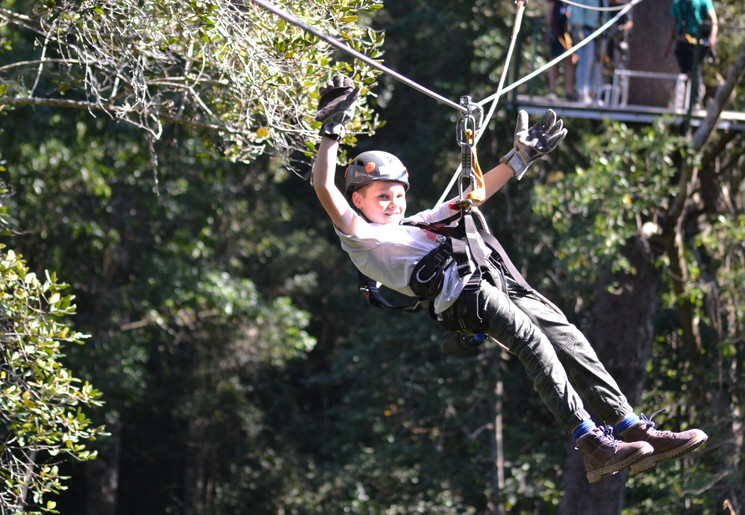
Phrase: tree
pixel 648 209
pixel 231 67
pixel 41 408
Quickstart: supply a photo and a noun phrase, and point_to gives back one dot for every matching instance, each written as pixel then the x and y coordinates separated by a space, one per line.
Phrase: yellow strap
pixel 478 194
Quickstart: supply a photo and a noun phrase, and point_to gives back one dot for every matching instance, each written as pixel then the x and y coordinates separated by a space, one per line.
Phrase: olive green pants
pixel 557 357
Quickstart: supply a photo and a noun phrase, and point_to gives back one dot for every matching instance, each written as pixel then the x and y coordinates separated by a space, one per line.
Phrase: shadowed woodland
pixel 239 370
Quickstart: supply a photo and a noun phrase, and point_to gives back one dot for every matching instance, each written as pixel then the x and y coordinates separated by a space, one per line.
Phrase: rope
pixel 569 52
pixel 592 8
pixel 362 57
pixel 495 97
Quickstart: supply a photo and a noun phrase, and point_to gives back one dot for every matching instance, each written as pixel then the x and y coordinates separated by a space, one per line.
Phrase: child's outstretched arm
pixel 332 199
pixel 530 145
pixel 335 109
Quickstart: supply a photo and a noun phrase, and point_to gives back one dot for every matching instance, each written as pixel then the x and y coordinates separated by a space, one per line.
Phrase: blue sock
pixel 626 423
pixel 582 429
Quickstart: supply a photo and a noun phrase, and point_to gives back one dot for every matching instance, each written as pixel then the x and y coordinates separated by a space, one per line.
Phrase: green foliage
pixel 722 241
pixel 41 403
pixel 183 336
pixel 243 372
pixel 238 70
pixel 593 211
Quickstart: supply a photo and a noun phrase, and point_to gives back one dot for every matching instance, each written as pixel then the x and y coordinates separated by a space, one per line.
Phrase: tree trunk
pixel 496 502
pixel 102 475
pixel 649 39
pixel 624 310
pixel 722 96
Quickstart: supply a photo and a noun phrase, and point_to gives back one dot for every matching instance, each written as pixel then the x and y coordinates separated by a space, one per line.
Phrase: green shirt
pixel 689 15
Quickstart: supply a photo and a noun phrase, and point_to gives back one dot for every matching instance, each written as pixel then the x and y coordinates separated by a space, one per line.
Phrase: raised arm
pixel 712 15
pixel 530 145
pixel 335 109
pixel 331 198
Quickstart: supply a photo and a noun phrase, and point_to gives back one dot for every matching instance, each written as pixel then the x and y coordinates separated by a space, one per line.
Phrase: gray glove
pixel 336 106
pixel 532 144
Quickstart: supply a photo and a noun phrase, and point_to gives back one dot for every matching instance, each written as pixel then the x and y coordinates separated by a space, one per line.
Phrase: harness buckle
pixel 418 275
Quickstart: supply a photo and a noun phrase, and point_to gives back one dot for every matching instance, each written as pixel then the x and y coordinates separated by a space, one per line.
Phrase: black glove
pixel 336 106
pixel 532 144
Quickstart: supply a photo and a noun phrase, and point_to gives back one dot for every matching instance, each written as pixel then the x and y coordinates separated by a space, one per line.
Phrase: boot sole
pixel 651 461
pixel 602 473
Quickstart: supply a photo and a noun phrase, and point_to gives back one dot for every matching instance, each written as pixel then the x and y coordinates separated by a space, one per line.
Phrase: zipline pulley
pixel 470 177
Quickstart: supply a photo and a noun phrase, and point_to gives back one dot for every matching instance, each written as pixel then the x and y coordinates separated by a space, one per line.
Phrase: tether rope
pixel 566 54
pixel 497 95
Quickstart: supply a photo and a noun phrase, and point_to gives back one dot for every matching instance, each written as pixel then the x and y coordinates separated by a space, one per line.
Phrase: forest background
pixel 239 369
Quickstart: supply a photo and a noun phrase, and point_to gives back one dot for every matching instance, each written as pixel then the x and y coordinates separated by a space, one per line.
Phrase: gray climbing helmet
pixel 374 165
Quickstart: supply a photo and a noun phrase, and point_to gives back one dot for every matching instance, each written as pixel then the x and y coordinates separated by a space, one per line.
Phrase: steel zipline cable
pixel 362 57
pixel 492 98
pixel 500 91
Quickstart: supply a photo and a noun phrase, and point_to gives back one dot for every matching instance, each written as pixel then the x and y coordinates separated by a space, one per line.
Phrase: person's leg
pixel 585 371
pixel 553 75
pixel 603 455
pixel 600 390
pixel 569 72
pixel 512 327
pixel 586 56
pixel 684 56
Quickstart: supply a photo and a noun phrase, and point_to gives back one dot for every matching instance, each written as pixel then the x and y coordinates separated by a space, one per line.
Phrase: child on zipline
pixel 483 294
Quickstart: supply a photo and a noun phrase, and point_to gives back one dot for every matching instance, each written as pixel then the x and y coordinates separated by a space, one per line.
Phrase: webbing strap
pixel 478 194
pixel 472 237
pixel 369 288
pixel 493 242
pixel 460 254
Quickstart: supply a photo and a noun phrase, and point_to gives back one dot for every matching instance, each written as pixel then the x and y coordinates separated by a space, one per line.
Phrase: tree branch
pixel 720 98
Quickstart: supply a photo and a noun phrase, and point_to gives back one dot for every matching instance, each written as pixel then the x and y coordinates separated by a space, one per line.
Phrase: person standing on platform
pixel 560 41
pixel 694 31
pixel 583 21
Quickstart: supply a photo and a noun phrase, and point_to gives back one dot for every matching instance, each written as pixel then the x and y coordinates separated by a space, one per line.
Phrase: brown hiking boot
pixel 604 455
pixel 666 444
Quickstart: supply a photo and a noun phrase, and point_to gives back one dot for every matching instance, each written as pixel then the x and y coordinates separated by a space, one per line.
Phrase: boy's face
pixel 382 202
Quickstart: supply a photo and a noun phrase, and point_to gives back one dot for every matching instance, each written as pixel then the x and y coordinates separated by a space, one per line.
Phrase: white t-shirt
pixel 387 253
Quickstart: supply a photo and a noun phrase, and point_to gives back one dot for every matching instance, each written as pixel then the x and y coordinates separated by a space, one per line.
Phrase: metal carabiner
pixel 470 120
pixel 465 133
